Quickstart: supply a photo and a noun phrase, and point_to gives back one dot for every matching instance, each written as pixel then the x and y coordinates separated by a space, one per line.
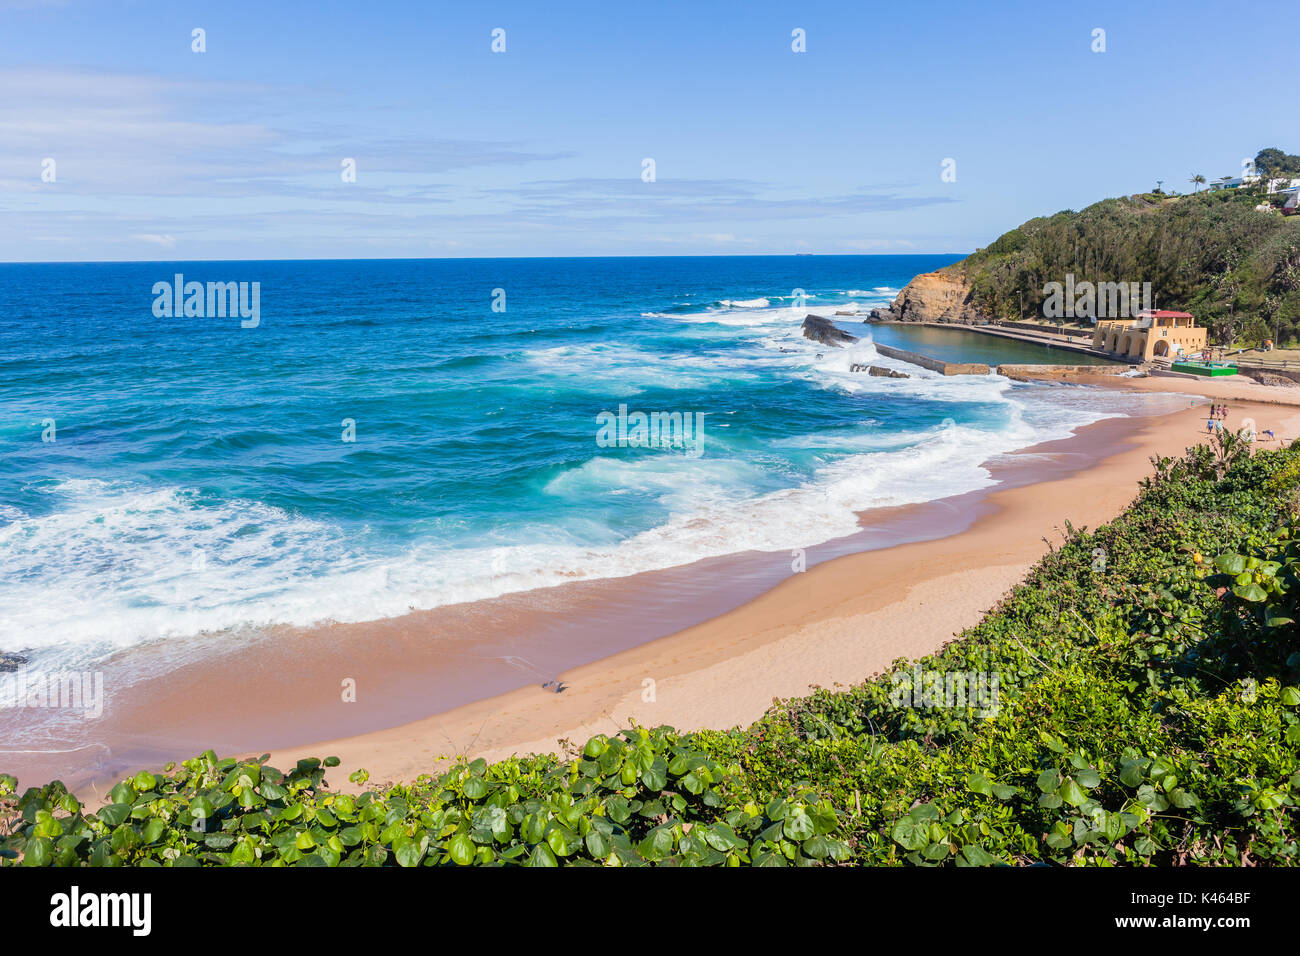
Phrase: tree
pixel 1197 182
pixel 1272 162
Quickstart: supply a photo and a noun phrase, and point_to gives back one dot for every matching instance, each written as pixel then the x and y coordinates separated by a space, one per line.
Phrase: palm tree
pixel 1197 181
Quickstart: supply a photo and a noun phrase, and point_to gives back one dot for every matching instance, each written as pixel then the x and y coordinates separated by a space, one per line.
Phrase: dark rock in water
pixel 878 371
pixel 11 662
pixel 823 330
pixel 885 372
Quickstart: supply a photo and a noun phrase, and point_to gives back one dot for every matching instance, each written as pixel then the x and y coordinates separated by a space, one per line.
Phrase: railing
pixel 1274 363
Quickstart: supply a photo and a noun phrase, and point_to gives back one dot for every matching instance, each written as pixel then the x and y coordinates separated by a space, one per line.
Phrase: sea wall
pixel 1268 374
pixel 934 365
pixel 1059 373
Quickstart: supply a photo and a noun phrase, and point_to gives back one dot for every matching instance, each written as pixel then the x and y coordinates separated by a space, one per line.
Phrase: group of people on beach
pixel 1219 414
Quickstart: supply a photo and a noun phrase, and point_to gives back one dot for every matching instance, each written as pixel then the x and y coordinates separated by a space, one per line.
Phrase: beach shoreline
pixel 824 628
pixel 844 619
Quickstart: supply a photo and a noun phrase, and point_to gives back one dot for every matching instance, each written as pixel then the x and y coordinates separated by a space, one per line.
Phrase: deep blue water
pixel 199 477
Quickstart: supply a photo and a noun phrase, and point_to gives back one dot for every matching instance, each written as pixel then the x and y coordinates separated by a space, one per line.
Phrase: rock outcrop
pixel 882 372
pixel 823 330
pixel 932 297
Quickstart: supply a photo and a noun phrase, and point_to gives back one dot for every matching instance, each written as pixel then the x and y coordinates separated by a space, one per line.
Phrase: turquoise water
pixel 384 440
pixel 962 345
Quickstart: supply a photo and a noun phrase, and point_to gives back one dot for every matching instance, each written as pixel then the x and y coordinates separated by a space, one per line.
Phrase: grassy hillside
pixel 1210 253
pixel 1147 714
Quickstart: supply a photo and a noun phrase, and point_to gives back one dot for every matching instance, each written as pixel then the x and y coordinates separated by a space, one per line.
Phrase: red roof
pixel 1164 314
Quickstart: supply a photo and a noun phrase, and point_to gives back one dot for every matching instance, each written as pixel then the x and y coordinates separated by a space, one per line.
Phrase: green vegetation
pixel 1211 254
pixel 644 797
pixel 1273 162
pixel 1147 714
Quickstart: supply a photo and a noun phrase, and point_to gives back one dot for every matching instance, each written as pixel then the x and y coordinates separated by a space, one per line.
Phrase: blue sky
pixel 235 153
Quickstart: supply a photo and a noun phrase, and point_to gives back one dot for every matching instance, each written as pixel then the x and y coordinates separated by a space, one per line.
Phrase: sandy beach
pixel 709 645
pixel 837 624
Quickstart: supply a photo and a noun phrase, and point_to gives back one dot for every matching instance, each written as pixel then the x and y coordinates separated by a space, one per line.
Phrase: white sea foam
pixel 112 565
pixel 115 565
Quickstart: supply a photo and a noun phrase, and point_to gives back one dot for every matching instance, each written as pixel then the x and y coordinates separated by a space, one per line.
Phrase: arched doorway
pixel 1162 348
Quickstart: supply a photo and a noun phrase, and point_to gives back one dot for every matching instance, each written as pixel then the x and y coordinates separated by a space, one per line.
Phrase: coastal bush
pixel 1146 711
pixel 1210 253
pixel 643 797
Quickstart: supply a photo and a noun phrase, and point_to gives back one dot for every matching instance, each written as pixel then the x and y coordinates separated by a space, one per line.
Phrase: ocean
pixel 390 435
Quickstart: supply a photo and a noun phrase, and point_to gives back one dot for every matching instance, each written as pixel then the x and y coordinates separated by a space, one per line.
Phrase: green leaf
pixel 461 849
pixel 655 777
pixel 541 856
pixel 1131 772
pixel 561 840
pixel 799 825
pixel 1250 592
pixel 153 830
pixel 39 852
pixel 818 847
pixel 978 856
pixel 114 813
pixel 910 833
pixel 1230 563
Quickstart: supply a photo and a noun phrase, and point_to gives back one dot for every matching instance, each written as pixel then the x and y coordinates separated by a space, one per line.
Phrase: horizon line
pixel 724 255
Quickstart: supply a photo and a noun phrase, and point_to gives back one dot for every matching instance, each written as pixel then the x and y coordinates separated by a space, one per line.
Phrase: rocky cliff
pixel 932 297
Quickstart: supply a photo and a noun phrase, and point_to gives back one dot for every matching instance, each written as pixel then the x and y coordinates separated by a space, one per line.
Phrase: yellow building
pixel 1150 334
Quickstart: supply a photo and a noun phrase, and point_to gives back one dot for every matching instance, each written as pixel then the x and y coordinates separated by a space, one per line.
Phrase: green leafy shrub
pixel 639 798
